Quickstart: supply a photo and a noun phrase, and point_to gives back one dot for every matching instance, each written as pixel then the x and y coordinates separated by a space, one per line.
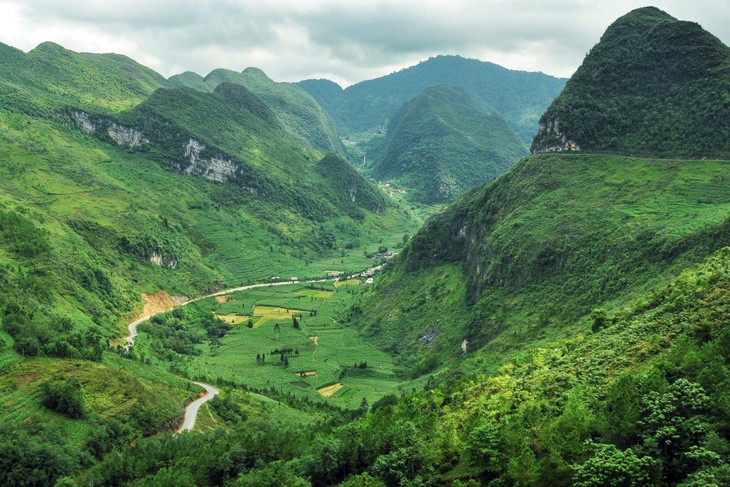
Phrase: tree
pixel 611 466
pixel 63 394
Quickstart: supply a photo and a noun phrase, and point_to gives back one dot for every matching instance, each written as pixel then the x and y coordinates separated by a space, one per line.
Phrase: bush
pixel 63 394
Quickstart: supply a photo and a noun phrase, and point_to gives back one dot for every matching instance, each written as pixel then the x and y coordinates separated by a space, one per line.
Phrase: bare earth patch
pixel 223 299
pixel 156 303
pixel 315 339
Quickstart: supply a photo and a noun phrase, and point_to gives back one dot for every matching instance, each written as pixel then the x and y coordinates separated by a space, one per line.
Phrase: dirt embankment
pixel 156 303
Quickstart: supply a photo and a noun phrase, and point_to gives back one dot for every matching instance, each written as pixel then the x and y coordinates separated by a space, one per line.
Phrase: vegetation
pixel 440 145
pixel 639 402
pixel 97 207
pixel 565 324
pixel 517 96
pixel 652 85
pixel 297 111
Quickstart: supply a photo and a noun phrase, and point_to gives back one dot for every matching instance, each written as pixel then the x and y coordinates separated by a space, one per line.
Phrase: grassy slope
pixel 296 109
pixel 49 77
pixel 81 219
pixel 441 145
pixel 530 254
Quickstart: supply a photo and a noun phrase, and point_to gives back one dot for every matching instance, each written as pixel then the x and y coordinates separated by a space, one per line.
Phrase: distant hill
pixel 299 113
pixel 50 76
pixel 652 85
pixel 519 97
pixel 441 145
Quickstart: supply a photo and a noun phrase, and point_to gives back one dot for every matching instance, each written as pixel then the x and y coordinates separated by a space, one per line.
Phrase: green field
pixel 323 351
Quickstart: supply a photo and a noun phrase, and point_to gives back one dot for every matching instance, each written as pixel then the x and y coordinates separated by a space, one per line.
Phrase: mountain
pixel 519 97
pixel 441 145
pixel 561 234
pixel 119 191
pixel 298 112
pixel 652 85
pixel 49 77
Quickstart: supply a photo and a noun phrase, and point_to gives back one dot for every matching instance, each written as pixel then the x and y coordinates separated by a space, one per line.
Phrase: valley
pixel 229 280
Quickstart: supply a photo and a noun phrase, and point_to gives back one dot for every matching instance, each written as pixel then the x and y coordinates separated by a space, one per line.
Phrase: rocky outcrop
pixel 213 168
pixel 84 121
pixel 126 135
pixel 550 138
pixel 158 259
pixel 121 135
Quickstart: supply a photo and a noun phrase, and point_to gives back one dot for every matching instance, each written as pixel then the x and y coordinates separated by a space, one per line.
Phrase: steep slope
pixel 441 145
pixel 519 97
pixel 652 85
pixel 561 234
pixel 296 109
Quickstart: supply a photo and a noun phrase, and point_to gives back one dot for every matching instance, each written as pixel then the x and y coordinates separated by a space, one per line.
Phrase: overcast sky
pixel 346 41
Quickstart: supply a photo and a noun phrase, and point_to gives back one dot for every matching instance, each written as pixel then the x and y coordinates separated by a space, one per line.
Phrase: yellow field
pixel 268 313
pixel 349 282
pixel 327 391
pixel 232 318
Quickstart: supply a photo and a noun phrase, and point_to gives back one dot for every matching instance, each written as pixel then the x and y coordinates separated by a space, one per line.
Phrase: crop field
pixel 307 360
pixel 329 390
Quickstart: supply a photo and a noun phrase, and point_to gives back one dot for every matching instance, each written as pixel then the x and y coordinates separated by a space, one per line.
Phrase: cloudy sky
pixel 346 41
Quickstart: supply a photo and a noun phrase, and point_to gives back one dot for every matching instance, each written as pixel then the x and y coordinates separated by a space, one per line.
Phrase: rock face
pixel 160 260
pixel 213 168
pixel 120 134
pixel 125 135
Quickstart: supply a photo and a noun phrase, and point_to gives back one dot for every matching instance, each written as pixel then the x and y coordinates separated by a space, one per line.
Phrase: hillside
pixel 441 145
pixel 528 257
pixel 519 97
pixel 298 112
pixel 652 85
pixel 114 184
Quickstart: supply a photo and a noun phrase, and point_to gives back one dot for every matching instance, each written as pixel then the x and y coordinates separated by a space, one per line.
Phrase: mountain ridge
pixel 441 145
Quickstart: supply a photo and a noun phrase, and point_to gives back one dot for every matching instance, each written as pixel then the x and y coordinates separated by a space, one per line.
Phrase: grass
pixel 337 356
pixel 556 237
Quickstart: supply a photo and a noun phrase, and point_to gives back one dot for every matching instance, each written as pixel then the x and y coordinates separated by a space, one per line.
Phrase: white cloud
pixel 345 41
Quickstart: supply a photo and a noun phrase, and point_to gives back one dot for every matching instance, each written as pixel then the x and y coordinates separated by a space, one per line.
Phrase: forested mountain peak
pixel 652 85
pixel 517 96
pixel 296 109
pixel 441 145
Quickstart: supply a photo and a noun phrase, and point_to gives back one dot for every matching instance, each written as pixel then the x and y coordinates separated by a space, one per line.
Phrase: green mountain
pixel 565 324
pixel 49 77
pixel 441 145
pixel 652 85
pixel 298 112
pixel 113 184
pixel 519 97
pixel 588 292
